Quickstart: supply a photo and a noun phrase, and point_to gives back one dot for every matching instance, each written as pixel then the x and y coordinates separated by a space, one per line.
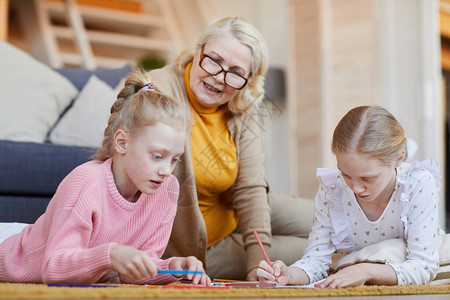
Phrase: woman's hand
pixel 131 262
pixel 192 264
pixel 356 275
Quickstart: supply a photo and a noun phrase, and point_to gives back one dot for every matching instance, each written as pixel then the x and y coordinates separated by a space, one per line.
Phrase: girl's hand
pixel 110 277
pixel 192 264
pixel 281 273
pixel 251 276
pixel 278 272
pixel 356 275
pixel 132 263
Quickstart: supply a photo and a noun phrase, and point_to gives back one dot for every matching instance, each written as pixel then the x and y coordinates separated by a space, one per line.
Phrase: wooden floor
pixel 388 297
pixel 18 291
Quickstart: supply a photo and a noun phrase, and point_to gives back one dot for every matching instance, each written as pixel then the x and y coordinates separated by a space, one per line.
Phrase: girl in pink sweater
pixel 111 218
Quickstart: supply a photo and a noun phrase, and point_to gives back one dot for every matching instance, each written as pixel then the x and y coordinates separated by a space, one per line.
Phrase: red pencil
pixel 262 248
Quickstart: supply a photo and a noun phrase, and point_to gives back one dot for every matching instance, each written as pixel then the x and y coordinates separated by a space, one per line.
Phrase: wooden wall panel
pixel 304 94
pixel 354 78
pixel 333 67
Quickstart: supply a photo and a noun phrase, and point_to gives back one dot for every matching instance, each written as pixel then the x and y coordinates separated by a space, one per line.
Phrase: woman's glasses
pixel 213 68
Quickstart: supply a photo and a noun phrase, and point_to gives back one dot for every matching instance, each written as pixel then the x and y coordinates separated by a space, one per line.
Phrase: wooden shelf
pixel 126 35
pixel 116 39
pixel 108 16
pixel 92 33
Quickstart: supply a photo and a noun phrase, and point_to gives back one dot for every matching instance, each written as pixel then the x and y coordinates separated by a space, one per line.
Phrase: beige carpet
pixel 41 291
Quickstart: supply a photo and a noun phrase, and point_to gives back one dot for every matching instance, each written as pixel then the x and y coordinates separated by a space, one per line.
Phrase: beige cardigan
pixel 248 194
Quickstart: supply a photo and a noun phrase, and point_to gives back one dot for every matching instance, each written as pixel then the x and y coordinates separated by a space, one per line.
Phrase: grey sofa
pixel 31 172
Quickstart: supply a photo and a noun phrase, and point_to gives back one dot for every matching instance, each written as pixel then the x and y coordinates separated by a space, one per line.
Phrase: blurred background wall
pixel 327 55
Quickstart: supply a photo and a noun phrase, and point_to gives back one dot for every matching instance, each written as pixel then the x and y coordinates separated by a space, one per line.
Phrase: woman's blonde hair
pixel 139 104
pixel 370 130
pixel 248 35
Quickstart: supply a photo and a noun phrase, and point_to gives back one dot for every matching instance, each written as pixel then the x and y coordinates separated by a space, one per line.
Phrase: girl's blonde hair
pixel 138 106
pixel 370 130
pixel 248 35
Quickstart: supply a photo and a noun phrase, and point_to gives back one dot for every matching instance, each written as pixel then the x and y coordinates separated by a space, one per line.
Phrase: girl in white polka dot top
pixel 375 196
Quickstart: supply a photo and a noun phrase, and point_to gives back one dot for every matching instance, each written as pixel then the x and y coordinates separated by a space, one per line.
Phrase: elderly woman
pixel 223 194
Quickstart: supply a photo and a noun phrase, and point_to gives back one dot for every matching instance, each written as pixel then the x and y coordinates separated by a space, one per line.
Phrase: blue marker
pixel 179 272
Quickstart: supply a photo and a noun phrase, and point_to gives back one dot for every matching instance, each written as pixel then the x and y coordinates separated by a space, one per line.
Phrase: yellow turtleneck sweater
pixel 215 165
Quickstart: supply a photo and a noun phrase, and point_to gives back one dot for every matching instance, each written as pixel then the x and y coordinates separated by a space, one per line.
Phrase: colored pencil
pixel 173 286
pixel 81 285
pixel 180 272
pixel 226 280
pixel 250 284
pixel 262 248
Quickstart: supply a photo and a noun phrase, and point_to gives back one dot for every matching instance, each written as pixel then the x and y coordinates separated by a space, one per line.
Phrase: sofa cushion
pixel 37 169
pixel 79 77
pixel 85 121
pixel 32 96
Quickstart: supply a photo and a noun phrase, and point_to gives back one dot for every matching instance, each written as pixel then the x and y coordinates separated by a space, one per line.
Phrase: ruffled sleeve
pixel 407 176
pixel 324 235
pixel 418 184
pixel 333 190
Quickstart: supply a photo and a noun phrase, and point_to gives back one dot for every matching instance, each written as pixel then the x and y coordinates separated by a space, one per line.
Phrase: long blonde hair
pixel 370 130
pixel 137 107
pixel 248 35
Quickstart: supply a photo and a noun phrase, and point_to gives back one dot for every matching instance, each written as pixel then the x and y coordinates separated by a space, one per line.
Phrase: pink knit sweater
pixel 71 241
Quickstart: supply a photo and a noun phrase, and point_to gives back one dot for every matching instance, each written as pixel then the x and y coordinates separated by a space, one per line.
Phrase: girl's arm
pixel 317 255
pixel 68 256
pixel 157 241
pixel 131 263
pixel 422 253
pixel 422 232
pixel 193 264
pixel 154 248
pixel 74 248
pixel 356 275
pixel 313 266
pixel 77 249
pixel 281 273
